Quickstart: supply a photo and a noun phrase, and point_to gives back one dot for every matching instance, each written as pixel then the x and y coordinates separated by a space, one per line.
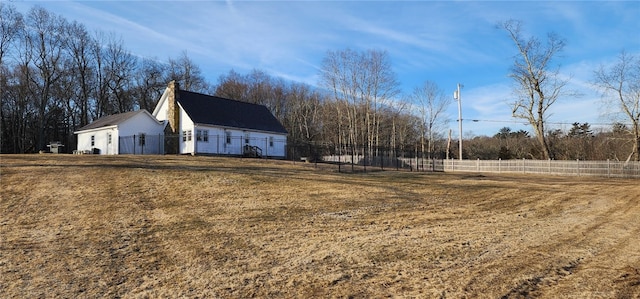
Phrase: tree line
pixel 580 142
pixel 56 77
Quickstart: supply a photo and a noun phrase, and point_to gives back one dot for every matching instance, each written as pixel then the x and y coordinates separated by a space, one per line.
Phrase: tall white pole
pixel 458 97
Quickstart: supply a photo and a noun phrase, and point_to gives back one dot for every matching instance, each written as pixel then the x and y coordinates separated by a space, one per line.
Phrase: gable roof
pixel 112 120
pixel 212 110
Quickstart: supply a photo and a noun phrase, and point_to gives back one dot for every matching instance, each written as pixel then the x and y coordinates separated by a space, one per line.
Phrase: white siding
pixel 138 123
pixel 217 143
pixel 130 131
pixel 161 112
pixel 186 125
pixel 100 141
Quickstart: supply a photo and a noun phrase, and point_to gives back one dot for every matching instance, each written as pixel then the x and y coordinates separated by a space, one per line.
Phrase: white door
pixel 109 144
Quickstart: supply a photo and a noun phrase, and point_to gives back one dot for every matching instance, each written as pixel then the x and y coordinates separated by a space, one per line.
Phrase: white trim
pixel 163 99
pixel 96 129
pixel 241 129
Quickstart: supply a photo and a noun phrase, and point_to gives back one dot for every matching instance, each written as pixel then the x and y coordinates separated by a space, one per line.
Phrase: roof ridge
pixel 219 111
pixel 111 120
pixel 222 98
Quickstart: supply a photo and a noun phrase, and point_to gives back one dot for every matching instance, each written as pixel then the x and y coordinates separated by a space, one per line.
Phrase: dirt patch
pixel 182 226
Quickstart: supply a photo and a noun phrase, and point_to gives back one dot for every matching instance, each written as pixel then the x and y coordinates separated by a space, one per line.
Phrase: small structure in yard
pixel 111 135
pixel 55 147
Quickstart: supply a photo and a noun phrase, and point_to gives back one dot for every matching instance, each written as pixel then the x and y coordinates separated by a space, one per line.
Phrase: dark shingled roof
pixel 211 110
pixel 109 120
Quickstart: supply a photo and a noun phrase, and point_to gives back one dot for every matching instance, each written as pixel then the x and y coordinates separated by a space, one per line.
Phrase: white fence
pixel 385 162
pixel 607 168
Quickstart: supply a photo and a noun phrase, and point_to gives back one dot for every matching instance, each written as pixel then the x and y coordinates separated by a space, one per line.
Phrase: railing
pixel 607 168
pixel 252 151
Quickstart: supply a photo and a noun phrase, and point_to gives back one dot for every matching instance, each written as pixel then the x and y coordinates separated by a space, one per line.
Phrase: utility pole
pixel 458 97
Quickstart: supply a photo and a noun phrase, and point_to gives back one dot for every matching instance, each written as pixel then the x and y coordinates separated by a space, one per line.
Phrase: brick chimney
pixel 174 110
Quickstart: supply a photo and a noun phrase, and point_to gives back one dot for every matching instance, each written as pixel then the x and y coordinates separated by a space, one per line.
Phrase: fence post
pixel 364 159
pixel 478 165
pixel 499 164
pixel 397 161
pixel 608 168
pixel 578 166
pixel 549 165
pixel 523 166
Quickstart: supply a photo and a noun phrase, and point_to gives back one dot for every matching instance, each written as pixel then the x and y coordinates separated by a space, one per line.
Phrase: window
pixel 202 135
pixel 228 136
pixel 270 141
pixel 93 140
pixel 246 137
pixel 141 139
pixel 186 135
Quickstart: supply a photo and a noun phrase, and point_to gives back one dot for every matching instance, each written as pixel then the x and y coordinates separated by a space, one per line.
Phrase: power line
pixel 547 122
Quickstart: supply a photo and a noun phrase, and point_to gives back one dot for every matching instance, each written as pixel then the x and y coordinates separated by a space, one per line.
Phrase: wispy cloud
pixel 442 41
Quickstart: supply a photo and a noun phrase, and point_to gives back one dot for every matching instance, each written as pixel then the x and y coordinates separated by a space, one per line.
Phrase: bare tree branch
pixel 536 86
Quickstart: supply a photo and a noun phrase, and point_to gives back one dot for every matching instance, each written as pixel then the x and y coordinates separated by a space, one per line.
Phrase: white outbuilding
pixel 136 132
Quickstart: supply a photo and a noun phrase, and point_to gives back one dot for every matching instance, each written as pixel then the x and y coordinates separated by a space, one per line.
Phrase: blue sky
pixel 446 42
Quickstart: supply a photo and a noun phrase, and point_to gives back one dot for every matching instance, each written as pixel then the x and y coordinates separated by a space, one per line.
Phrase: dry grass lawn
pixel 182 226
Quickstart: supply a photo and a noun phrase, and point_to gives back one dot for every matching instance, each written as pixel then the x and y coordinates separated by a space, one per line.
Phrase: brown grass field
pixel 207 227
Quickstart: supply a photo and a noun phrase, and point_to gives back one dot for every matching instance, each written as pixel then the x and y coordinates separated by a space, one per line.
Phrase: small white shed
pixel 136 132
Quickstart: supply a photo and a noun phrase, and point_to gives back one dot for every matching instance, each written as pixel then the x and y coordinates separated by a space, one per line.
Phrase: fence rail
pixel 607 168
pixel 385 162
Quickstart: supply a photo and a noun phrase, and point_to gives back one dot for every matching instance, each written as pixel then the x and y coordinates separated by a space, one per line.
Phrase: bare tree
pixel 431 104
pixel 256 87
pixel 362 82
pixel 120 69
pixel 537 84
pixel 232 86
pixel 340 74
pixel 149 83
pixel 620 85
pixel 184 71
pixel 45 40
pixel 10 26
pixel 381 87
pixel 304 108
pixel 80 64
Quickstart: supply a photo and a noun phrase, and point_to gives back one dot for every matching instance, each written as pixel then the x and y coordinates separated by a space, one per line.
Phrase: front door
pixel 109 144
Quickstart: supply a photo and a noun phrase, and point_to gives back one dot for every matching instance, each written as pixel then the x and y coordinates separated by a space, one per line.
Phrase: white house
pixel 204 124
pixel 136 132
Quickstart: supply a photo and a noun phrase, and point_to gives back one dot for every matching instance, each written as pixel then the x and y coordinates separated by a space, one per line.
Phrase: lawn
pixel 183 226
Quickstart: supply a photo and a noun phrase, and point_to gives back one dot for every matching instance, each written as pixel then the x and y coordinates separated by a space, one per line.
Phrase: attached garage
pixel 125 133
